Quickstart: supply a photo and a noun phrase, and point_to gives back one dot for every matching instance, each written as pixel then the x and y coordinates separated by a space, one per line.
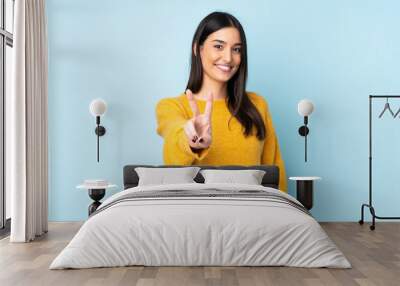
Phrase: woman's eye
pixel 218 47
pixel 236 50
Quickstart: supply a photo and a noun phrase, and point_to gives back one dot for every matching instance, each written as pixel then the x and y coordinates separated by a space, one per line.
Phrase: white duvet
pixel 200 231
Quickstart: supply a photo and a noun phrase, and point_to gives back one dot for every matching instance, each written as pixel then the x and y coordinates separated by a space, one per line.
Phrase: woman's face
pixel 221 54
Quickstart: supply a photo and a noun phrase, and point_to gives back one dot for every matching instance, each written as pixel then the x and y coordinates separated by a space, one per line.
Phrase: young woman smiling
pixel 216 122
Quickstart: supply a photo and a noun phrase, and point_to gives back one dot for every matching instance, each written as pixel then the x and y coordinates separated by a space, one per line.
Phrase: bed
pixel 198 224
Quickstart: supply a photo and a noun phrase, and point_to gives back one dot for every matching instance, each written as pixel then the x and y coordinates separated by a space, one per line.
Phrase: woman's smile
pixel 224 68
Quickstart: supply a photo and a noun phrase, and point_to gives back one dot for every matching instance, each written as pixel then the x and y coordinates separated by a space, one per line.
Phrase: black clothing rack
pixel 369 205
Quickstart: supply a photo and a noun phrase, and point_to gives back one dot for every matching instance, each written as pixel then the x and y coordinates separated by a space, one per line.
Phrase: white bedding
pixel 200 231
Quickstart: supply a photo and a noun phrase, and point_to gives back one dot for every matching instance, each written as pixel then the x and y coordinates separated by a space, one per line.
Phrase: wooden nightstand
pixel 304 190
pixel 96 193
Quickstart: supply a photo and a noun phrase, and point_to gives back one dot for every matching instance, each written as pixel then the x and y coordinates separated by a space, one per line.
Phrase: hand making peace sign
pixel 198 128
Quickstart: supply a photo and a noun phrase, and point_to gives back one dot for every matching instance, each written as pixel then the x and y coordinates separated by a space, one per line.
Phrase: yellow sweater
pixel 229 146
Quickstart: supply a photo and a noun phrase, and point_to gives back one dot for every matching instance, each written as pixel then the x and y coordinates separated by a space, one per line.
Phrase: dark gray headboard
pixel 271 177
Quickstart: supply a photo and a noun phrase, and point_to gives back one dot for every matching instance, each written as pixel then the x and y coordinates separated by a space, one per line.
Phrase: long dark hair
pixel 239 104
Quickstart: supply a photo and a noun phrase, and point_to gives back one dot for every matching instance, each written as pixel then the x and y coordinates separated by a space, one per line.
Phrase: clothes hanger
pixel 397 113
pixel 387 107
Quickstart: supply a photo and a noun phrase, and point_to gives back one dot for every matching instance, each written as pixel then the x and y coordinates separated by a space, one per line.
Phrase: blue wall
pixel 133 53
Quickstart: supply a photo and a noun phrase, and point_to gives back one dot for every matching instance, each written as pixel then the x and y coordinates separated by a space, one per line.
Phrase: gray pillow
pixel 162 176
pixel 248 177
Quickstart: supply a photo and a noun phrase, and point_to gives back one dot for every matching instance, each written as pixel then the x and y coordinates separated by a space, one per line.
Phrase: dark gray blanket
pixel 203 194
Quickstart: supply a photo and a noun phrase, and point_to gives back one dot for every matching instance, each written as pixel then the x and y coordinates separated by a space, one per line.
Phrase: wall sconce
pixel 97 108
pixel 305 108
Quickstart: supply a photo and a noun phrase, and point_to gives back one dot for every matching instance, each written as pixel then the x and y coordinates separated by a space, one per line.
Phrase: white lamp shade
pixel 305 107
pixel 98 107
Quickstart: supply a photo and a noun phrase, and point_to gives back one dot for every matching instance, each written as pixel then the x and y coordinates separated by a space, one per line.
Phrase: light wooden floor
pixel 375 257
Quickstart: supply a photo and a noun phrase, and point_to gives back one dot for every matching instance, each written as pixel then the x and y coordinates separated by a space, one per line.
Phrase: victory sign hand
pixel 198 128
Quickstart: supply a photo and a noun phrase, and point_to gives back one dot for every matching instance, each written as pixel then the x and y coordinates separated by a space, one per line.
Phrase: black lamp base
pixel 303 130
pixel 100 130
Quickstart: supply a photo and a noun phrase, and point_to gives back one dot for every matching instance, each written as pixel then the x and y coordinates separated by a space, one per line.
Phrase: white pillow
pixel 249 177
pixel 163 176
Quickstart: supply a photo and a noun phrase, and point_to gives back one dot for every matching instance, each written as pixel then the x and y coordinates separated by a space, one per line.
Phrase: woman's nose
pixel 227 56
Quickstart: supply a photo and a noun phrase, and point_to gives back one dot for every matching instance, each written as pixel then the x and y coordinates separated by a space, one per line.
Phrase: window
pixel 6 44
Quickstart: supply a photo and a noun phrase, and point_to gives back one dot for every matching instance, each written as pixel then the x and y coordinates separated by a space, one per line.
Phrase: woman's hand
pixel 198 128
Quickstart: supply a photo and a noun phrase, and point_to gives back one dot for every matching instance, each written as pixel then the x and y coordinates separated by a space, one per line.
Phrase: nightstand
pixel 304 190
pixel 96 193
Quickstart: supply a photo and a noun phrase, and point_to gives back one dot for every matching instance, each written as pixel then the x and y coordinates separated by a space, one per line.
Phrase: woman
pixel 216 122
